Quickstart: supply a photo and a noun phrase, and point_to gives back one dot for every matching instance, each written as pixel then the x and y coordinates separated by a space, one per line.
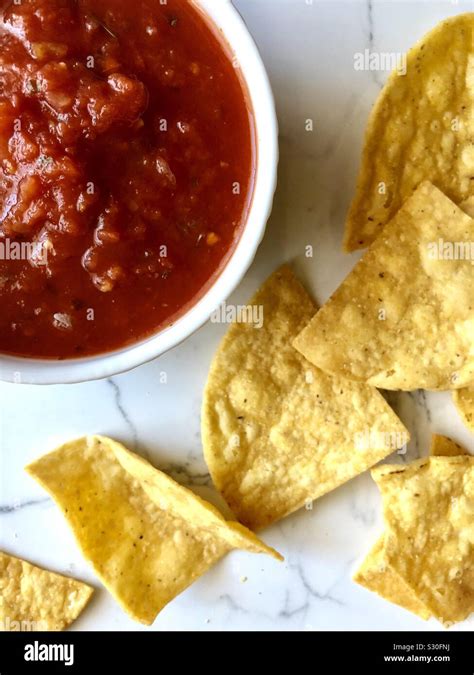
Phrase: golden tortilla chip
pixel 377 575
pixel 147 537
pixel 464 402
pixel 429 540
pixel 464 398
pixel 277 432
pixel 404 317
pixel 421 128
pixel 34 599
pixel 444 446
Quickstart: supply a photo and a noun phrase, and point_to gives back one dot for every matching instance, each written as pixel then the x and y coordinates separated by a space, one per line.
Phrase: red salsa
pixel 126 170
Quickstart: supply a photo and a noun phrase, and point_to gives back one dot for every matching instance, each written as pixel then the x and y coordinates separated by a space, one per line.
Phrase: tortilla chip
pixel 429 540
pixel 421 128
pixel 444 446
pixel 34 599
pixel 404 317
pixel 464 402
pixel 378 576
pixel 147 537
pixel 464 398
pixel 278 432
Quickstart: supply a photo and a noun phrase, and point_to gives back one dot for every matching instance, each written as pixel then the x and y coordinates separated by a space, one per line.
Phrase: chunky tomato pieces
pixel 126 165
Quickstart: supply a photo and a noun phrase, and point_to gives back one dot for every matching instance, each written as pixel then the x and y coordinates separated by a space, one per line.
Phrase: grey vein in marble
pixel 366 515
pixel 423 403
pixel 324 596
pixel 370 18
pixel 122 412
pixel 20 506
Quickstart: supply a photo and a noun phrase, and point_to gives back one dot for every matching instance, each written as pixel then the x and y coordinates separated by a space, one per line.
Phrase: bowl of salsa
pixel 138 157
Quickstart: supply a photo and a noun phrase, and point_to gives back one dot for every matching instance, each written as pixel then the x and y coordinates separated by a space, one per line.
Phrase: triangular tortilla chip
pixel 429 538
pixel 277 432
pixel 404 317
pixel 147 537
pixel 34 599
pixel 421 128
pixel 377 575
pixel 464 402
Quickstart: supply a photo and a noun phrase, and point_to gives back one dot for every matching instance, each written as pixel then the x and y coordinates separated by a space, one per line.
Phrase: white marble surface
pixel 308 49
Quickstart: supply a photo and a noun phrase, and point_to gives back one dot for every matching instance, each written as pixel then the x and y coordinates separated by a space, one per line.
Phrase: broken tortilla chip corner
pixel 378 575
pixel 35 599
pixel 429 535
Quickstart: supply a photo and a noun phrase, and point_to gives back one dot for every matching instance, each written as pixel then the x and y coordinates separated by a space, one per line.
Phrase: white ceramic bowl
pixel 38 371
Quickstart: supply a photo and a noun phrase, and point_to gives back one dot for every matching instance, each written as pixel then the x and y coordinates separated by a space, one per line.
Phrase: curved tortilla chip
pixel 404 317
pixel 421 128
pixel 147 537
pixel 429 538
pixel 34 599
pixel 277 432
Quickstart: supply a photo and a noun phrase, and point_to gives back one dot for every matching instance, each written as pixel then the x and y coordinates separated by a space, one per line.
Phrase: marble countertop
pixel 308 47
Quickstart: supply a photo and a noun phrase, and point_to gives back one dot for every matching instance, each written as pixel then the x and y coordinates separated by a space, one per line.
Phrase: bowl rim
pixel 229 24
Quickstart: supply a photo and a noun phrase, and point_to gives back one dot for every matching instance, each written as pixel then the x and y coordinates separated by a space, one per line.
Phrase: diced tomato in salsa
pixel 126 166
